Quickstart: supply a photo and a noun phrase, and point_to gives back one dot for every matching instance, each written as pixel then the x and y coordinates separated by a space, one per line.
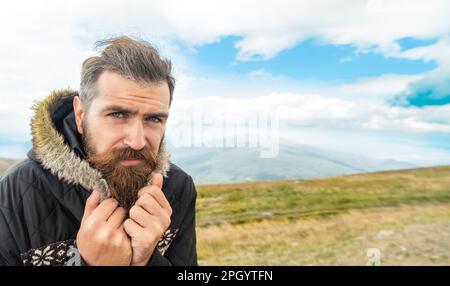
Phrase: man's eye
pixel 117 115
pixel 155 119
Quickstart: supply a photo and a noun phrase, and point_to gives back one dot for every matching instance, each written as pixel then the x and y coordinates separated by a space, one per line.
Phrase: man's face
pixel 123 132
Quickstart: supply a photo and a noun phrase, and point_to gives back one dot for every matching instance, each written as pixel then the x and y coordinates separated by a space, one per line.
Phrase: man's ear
pixel 78 109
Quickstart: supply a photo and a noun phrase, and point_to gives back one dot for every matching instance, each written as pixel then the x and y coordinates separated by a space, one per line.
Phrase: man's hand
pixel 102 239
pixel 149 219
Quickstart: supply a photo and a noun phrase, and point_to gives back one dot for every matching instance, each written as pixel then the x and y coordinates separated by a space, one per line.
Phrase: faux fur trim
pixel 59 158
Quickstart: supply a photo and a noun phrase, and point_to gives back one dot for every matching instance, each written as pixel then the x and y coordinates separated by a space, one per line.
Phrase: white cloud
pixel 436 85
pixel 389 84
pixel 322 112
pixel 46 34
pixel 267 27
pixel 388 118
pixel 44 43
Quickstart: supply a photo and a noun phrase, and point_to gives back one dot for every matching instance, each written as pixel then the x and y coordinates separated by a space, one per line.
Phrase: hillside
pixel 334 221
pixel 294 161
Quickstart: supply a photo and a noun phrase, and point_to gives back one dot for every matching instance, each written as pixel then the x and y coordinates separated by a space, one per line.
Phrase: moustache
pixel 116 155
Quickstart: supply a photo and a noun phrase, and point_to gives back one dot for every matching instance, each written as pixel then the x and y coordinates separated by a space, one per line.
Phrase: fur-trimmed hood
pixel 56 143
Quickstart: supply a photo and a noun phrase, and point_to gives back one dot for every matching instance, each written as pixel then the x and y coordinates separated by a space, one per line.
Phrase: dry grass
pixel 405 235
pixel 334 221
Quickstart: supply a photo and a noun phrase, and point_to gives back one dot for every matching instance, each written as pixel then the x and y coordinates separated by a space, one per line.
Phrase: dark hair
pixel 134 59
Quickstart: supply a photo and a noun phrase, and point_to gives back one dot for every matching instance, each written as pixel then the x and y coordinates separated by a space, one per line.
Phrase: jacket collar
pixel 58 147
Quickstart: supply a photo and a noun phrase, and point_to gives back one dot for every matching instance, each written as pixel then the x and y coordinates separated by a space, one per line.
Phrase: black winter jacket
pixel 42 198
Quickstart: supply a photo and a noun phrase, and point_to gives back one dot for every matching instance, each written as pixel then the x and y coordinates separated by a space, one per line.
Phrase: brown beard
pixel 124 182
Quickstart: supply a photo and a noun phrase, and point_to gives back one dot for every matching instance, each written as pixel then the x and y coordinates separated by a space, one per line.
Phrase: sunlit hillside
pixel 334 221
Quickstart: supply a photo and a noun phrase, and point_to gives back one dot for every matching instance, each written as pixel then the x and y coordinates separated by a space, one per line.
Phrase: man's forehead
pixel 135 103
pixel 113 88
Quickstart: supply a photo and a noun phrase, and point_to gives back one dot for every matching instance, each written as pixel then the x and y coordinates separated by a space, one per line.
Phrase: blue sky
pixel 311 60
pixel 369 77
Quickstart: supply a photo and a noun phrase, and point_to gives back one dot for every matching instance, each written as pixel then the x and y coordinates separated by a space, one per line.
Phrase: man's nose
pixel 135 136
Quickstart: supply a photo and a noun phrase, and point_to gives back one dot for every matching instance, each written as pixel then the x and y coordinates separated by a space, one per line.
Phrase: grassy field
pixel 334 221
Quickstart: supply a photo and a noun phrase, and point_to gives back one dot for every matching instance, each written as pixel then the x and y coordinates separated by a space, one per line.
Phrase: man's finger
pixel 117 218
pixel 157 180
pixel 132 228
pixel 105 209
pixel 149 204
pixel 141 217
pixel 91 204
pixel 157 194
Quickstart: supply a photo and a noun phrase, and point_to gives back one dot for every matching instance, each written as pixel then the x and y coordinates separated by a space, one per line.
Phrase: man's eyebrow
pixel 117 108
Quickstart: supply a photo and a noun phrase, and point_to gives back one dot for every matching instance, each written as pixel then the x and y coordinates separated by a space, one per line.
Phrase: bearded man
pixel 97 187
